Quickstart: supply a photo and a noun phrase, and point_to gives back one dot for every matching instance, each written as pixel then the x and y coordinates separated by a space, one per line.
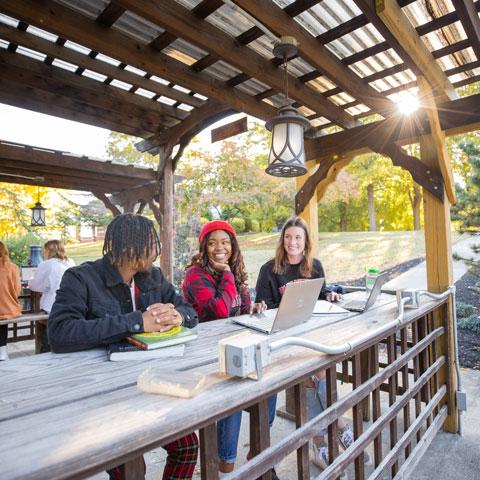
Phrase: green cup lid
pixel 373 270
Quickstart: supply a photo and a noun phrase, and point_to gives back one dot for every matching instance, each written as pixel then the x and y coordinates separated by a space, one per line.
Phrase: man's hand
pixel 259 307
pixel 161 317
pixel 333 297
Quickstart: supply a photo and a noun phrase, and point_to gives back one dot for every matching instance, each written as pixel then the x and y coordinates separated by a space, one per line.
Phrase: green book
pixel 151 341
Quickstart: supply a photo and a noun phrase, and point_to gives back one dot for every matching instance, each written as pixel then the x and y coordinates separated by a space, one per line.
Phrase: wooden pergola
pixel 163 71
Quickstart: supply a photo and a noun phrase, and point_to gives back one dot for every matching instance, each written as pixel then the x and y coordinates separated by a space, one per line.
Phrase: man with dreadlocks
pixel 107 300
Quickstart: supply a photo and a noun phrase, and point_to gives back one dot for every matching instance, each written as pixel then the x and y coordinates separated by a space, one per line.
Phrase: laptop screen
pixel 377 287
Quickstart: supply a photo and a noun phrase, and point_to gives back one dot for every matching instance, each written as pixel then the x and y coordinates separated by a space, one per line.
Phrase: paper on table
pixel 323 307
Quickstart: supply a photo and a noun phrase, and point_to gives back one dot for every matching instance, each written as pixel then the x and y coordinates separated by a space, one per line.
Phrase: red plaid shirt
pixel 214 297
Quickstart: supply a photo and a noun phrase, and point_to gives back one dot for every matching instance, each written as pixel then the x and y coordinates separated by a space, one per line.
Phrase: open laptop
pixel 296 307
pixel 364 305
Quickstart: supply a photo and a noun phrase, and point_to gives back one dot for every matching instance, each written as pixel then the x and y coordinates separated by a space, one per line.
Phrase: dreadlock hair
pixel 130 239
pixel 55 249
pixel 235 262
pixel 281 257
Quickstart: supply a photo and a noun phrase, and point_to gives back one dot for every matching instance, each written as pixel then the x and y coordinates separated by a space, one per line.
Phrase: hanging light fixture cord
pixel 285 79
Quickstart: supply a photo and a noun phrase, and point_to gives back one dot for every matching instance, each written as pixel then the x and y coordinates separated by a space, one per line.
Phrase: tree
pixel 467 209
pixel 121 148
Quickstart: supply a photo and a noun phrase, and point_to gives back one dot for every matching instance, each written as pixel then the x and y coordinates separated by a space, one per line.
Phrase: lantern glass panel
pixel 296 138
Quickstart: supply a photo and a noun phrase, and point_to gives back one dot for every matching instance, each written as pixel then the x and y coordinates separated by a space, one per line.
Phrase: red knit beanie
pixel 216 225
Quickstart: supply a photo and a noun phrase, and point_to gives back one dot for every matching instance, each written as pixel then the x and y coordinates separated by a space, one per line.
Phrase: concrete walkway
pixel 416 277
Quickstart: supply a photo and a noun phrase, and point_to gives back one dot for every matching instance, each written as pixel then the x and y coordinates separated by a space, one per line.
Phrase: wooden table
pixel 72 415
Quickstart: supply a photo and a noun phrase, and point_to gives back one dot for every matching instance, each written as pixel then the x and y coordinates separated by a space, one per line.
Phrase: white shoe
pixel 3 353
pixel 320 458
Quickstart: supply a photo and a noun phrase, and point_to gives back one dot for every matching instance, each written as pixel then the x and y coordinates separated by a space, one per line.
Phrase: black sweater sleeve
pixel 267 288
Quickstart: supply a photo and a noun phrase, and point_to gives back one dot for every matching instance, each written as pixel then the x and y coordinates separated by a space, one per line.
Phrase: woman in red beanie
pixel 215 284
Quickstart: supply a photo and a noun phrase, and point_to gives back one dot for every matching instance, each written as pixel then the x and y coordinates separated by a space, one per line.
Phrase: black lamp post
pixel 287 152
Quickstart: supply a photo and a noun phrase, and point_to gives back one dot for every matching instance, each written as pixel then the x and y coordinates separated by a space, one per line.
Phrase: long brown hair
pixel 281 257
pixel 55 249
pixel 4 256
pixel 235 262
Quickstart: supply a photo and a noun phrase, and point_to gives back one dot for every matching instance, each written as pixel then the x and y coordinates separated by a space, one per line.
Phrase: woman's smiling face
pixel 219 246
pixel 294 242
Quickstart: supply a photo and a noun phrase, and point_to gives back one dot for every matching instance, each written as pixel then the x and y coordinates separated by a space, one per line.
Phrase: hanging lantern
pixel 287 152
pixel 38 213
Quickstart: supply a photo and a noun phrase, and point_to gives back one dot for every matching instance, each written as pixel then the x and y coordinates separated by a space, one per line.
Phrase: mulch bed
pixel 468 342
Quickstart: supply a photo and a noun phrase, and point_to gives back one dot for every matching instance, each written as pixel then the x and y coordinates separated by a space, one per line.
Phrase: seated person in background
pixel 106 300
pixel 47 280
pixel 293 261
pixel 215 283
pixel 9 291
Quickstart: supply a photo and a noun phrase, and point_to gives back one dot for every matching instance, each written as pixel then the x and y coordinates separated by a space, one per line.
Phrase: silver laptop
pixel 296 307
pixel 364 305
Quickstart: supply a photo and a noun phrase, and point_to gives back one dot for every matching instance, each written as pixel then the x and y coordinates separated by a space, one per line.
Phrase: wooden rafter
pixel 468 15
pixel 39 76
pixel 199 119
pixel 183 23
pixel 400 27
pixel 53 50
pixel 329 168
pixel 64 170
pixel 281 24
pixel 12 93
pixel 456 116
pixel 66 23
pixel 438 136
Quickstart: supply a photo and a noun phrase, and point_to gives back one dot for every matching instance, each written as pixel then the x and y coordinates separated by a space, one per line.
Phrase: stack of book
pixel 149 346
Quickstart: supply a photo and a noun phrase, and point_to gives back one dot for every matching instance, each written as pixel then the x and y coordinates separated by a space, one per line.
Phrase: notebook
pixel 364 305
pixel 296 307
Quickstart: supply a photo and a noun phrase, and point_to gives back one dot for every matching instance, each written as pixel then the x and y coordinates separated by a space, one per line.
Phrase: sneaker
pixel 320 455
pixel 345 437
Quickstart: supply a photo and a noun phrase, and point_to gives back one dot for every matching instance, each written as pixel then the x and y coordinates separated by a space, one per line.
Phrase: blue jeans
pixel 228 431
pixel 317 400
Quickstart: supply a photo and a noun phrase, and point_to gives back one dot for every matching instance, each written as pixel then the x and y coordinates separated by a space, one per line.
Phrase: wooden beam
pixel 312 50
pixel 107 202
pixel 467 13
pixel 309 210
pixel 183 23
pixel 456 117
pixel 198 120
pixel 54 50
pixel 12 93
pixel 167 227
pixel 401 28
pixel 58 160
pixel 438 136
pixel 229 130
pixel 67 23
pixel 134 109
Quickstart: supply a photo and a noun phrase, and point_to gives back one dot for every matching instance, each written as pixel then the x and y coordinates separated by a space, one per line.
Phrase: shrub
pixel 255 226
pixel 19 247
pixel 465 310
pixel 471 323
pixel 238 224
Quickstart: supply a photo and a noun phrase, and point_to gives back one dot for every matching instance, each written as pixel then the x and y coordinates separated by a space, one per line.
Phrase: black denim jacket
pixel 93 306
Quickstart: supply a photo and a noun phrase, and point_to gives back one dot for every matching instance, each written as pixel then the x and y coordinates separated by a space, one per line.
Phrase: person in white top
pixel 50 272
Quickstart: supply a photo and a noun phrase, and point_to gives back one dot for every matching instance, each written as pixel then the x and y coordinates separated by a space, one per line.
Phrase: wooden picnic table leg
pixel 135 469
pixel 209 452
pixel 259 431
pixel 303 460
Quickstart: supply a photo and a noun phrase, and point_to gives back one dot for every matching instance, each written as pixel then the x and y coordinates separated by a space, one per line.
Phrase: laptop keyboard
pixel 262 320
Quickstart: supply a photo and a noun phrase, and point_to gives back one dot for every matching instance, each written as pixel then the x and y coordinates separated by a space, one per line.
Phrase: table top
pixel 66 414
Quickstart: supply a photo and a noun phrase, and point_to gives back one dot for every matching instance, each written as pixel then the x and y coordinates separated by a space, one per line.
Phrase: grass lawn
pixel 344 255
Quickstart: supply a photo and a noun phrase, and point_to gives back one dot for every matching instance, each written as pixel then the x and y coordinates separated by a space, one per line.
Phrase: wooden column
pixel 310 212
pixel 166 203
pixel 438 248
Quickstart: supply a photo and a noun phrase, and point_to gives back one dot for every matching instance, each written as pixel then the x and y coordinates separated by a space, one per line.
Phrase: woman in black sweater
pixel 294 262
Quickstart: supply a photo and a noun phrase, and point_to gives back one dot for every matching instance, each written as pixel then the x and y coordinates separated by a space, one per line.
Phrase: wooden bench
pixel 36 323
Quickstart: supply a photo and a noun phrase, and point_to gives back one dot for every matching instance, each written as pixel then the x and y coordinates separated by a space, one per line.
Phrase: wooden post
pixel 167 227
pixel 438 250
pixel 310 212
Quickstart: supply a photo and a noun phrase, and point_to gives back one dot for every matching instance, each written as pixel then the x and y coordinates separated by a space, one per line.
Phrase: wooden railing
pixel 399 381
pixel 30 303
